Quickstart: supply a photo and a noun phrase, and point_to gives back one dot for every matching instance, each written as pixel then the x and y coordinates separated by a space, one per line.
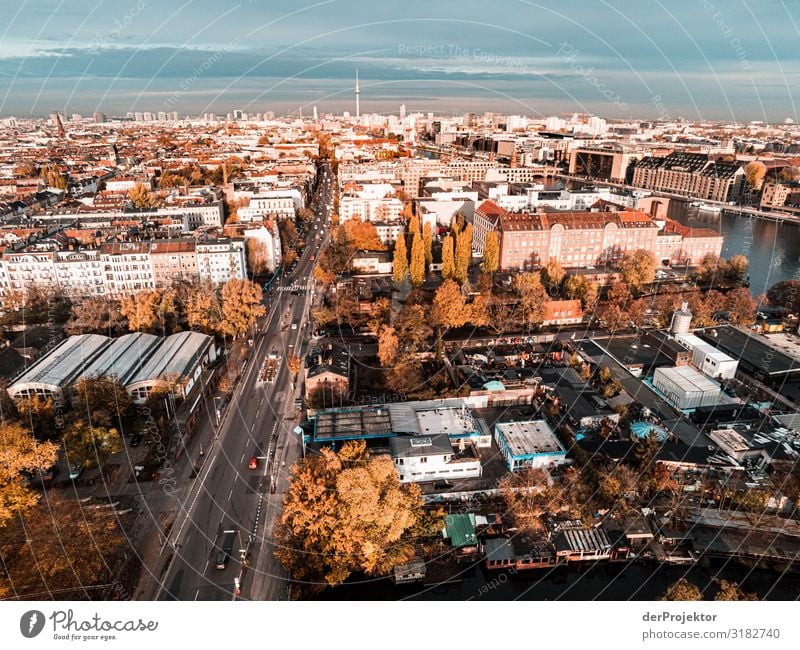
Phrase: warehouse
pixel 177 361
pixel 58 369
pixel 528 444
pixel 708 359
pixel 686 388
pixel 124 357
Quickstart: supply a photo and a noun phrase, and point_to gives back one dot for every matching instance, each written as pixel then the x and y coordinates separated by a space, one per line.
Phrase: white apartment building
pixel 370 209
pixel 221 260
pixel 80 273
pixel 277 204
pixel 128 267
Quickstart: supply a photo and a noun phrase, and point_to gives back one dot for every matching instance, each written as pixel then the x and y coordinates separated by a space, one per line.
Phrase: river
pixel 773 248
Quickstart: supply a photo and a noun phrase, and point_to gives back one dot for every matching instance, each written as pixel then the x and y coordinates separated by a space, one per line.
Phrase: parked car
pixel 136 439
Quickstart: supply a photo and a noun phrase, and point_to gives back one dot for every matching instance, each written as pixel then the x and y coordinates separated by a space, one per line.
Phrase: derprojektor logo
pixel 31 623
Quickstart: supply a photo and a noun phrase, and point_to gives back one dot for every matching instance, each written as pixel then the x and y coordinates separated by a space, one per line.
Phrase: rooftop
pixel 529 438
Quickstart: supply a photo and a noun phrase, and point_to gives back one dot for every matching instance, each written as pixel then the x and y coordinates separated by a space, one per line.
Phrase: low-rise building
pixel 686 388
pixel 530 443
pixel 419 459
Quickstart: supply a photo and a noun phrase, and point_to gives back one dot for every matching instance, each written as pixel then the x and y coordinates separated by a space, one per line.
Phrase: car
pixel 74 472
pixel 136 439
pixel 294 325
pixel 253 464
pixel 313 257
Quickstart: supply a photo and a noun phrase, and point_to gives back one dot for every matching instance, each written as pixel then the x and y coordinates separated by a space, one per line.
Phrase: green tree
pixel 400 261
pixel 491 253
pixel 417 260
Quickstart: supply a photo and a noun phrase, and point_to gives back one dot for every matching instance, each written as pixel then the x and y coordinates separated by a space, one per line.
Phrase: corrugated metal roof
pixel 65 362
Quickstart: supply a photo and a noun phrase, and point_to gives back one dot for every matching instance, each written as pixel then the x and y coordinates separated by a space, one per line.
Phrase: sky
pixel 721 60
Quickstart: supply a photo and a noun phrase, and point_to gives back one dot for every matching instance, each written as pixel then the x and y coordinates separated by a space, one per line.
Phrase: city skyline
pixel 689 60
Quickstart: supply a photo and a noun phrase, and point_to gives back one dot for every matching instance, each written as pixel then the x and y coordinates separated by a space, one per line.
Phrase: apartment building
pixel 691 174
pixel 220 260
pixel 173 260
pixel 127 267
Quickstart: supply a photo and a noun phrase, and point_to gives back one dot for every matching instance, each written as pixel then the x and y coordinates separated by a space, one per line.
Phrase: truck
pixel 226 548
pixel 269 368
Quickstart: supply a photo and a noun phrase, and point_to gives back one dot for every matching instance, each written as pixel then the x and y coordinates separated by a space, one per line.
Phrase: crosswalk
pixel 297 287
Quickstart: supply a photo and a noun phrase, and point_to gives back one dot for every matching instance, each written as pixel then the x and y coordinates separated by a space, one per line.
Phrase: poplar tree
pixel 400 262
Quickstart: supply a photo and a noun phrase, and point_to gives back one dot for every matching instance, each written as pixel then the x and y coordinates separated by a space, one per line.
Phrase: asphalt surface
pixel 259 421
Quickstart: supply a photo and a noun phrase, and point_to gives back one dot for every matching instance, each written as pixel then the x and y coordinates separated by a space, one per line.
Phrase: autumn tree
pixel 741 306
pixel 95 315
pixel 463 253
pixel 20 453
pixel 388 345
pixel 427 240
pixel 552 273
pixel 491 253
pixel 522 492
pixel 293 362
pixel 61 547
pixel 257 255
pixel 90 446
pixel 754 174
pixel 400 260
pixel 142 310
pixel 448 258
pixel 638 268
pixel 413 326
pixel 417 268
pixel 102 400
pixel 785 294
pixel 682 590
pixel 141 197
pixel 363 235
pixel 531 297
pixel 346 512
pixel 39 414
pixel 203 308
pixel 450 307
pixel 52 176
pixel 413 225
pixel 737 267
pixel 613 310
pixel 241 306
pixel 732 591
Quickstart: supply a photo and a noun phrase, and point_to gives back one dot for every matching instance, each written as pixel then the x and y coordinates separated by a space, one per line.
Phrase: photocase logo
pixel 31 623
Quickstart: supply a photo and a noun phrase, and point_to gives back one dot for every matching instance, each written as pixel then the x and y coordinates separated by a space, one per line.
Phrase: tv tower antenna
pixel 358 93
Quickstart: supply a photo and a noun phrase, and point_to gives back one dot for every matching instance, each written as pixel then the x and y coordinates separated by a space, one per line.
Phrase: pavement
pixel 224 494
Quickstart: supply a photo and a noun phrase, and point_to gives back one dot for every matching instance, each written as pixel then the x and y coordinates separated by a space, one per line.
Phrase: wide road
pixel 226 494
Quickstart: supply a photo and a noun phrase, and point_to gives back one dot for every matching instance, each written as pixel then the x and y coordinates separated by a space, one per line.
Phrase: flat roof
pixel 412 446
pixel 752 350
pixel 449 416
pixel 62 365
pixel 352 423
pixel 688 378
pixel 529 438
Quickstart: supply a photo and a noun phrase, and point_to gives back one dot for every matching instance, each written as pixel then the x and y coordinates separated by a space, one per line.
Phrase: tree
pixel 363 235
pixel 638 268
pixel 463 252
pixel 531 297
pixel 294 363
pixel 754 174
pixel 241 306
pixel 38 412
pixel 101 399
pixel 417 260
pixel 388 346
pixel 491 253
pixel 95 315
pixel 427 239
pixel 20 453
pixel 52 176
pixel 400 261
pixel 613 310
pixel 413 225
pixel 257 255
pixel 413 326
pixel 449 306
pixel 90 446
pixel 62 548
pixel 682 590
pixel 552 273
pixel 522 492
pixel 737 267
pixel 741 306
pixel 346 512
pixel 785 294
pixel 448 258
pixel 732 591
pixel 203 308
pixel 142 310
pixel 141 197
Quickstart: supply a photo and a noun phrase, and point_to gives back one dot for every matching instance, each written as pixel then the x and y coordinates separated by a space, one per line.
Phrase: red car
pixel 253 464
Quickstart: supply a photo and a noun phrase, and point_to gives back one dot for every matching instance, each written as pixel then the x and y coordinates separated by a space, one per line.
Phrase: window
pixel 424 459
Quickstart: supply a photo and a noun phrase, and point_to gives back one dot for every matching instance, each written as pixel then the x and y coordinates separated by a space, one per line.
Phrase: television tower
pixel 358 92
